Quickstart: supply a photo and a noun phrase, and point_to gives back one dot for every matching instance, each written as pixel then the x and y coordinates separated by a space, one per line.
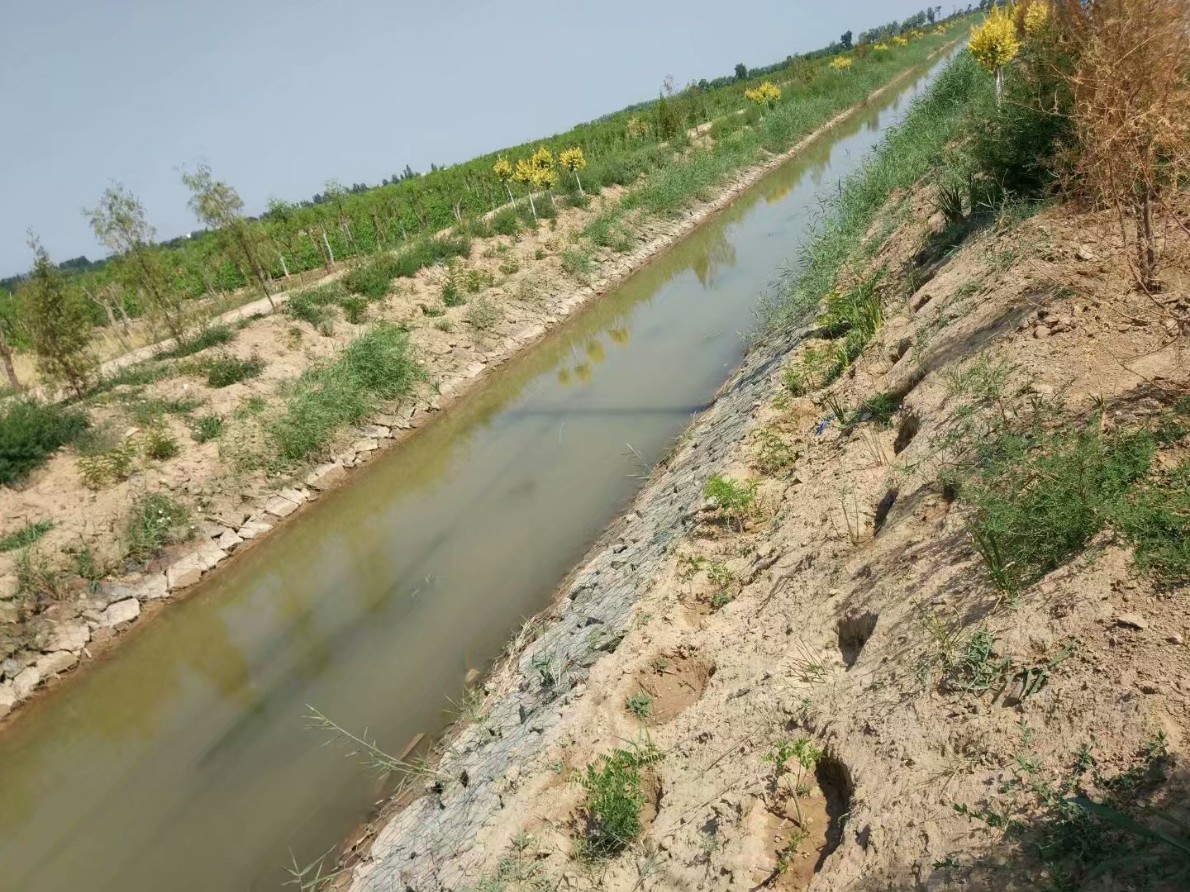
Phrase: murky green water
pixel 185 763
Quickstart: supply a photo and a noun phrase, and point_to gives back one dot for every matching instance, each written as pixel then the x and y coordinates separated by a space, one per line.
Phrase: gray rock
pixel 229 540
pixel 254 528
pixel 9 612
pixel 153 587
pixel 56 662
pixel 70 636
pixel 325 476
pixel 1132 621
pixel 25 682
pixel 8 698
pixel 279 506
pixel 120 612
pixel 376 431
pixel 189 569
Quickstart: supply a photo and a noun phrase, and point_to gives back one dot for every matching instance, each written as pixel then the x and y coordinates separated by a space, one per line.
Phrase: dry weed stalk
pixel 1130 86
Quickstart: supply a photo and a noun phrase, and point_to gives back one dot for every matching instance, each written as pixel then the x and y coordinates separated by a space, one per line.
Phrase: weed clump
pixel 1155 517
pixel 373 279
pixel 159 445
pixel 212 336
pixel 25 536
pixel 30 432
pixel 112 465
pixel 640 705
pixel 614 798
pixel 377 365
pixel 206 428
pixel 156 520
pixel 223 371
pixel 483 314
pixel 1040 497
pixel 734 501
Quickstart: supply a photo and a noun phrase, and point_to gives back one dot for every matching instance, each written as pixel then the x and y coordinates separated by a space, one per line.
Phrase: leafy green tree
pixel 741 72
pixel 668 124
pixel 119 223
pixel 59 326
pixel 845 40
pixel 218 206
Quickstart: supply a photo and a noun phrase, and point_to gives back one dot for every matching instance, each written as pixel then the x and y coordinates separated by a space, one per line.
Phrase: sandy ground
pixel 834 612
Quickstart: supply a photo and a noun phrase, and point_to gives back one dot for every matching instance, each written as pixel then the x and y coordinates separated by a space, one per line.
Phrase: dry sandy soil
pixel 841 609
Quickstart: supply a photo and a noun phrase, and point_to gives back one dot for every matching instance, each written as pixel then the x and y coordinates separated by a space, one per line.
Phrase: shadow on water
pixel 186 763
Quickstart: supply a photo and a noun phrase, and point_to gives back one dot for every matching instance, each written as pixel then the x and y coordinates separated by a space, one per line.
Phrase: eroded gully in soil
pixel 186 761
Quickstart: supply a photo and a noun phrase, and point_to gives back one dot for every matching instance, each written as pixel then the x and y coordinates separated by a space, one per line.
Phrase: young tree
pixel 741 72
pixel 527 177
pixel 766 94
pixel 56 318
pixel 503 171
pixel 994 44
pixel 544 175
pixel 119 223
pixel 218 206
pixel 574 160
pixel 845 40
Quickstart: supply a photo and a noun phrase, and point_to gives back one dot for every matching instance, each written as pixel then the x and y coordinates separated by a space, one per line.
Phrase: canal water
pixel 187 761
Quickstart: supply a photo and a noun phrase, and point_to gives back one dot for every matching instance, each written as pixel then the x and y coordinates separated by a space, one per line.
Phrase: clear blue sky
pixel 280 95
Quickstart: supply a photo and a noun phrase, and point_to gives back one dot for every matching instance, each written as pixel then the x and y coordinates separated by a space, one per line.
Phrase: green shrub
pixel 156 520
pixel 223 371
pixel 506 222
pixel 483 314
pixel 159 445
pixel 735 501
pixel 452 294
pixel 206 428
pixel 315 305
pixel 577 263
pixel 1014 145
pixel 212 336
pixel 1040 497
pixel 30 431
pixel 374 278
pixel 25 536
pixel 1155 517
pixel 98 469
pixel 355 309
pixel 148 412
pixel 474 281
pixel 376 366
pixel 614 797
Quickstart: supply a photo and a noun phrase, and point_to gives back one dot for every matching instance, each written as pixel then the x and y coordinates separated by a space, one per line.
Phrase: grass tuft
pixel 377 365
pixel 155 521
pixel 25 536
